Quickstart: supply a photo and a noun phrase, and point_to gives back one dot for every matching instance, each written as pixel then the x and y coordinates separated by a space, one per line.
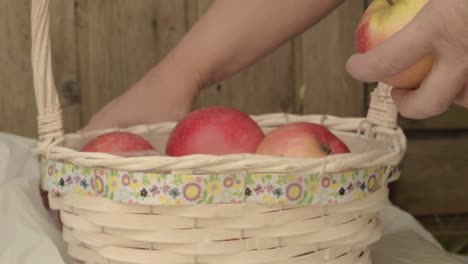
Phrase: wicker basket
pixel 216 209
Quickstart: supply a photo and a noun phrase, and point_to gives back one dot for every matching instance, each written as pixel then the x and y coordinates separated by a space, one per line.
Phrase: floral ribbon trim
pixel 166 189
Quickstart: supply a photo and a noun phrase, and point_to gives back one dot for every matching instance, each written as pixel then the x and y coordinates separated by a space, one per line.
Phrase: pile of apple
pixel 222 130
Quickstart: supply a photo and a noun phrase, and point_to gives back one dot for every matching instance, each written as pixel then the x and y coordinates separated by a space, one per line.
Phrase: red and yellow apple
pixel 214 130
pixel 383 19
pixel 120 143
pixel 301 140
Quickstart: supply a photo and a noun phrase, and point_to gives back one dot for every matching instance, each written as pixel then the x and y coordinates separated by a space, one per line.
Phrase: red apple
pixel 384 18
pixel 119 143
pixel 214 130
pixel 301 140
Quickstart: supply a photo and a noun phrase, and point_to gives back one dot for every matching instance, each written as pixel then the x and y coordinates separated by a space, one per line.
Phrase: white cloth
pixel 30 235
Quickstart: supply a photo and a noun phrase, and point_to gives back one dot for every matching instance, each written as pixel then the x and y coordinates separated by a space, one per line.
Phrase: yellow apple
pixel 301 140
pixel 381 20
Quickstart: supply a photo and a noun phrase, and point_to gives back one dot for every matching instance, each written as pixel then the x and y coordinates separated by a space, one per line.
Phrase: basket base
pixel 102 231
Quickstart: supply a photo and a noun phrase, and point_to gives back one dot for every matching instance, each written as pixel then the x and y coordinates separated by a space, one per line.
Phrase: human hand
pixel 440 29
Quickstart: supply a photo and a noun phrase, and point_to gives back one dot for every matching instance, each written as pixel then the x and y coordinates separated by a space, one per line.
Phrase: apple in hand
pixel 120 143
pixel 301 140
pixel 381 20
pixel 214 130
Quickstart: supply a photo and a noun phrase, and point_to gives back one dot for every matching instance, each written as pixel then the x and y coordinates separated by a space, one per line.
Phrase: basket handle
pixel 49 119
pixel 382 110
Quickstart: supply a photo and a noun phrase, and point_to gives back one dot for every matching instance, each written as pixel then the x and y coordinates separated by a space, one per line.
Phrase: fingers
pixel 397 53
pixel 435 95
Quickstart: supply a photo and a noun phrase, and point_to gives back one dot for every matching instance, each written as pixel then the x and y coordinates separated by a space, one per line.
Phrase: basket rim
pixel 153 188
pixel 358 127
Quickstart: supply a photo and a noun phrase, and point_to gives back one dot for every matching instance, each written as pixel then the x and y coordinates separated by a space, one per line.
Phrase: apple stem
pixel 327 150
pixel 391 2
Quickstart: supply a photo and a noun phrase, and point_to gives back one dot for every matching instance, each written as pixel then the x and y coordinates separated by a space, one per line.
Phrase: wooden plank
pixel 195 9
pixel 435 174
pixel 264 87
pixel 18 106
pixel 455 118
pixel 119 41
pixel 64 62
pixel 323 51
pixel 299 80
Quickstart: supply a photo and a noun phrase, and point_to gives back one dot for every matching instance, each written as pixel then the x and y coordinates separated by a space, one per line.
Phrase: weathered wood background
pixel 100 47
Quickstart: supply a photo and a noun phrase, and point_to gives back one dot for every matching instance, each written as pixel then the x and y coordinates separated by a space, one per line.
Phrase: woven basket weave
pixel 266 209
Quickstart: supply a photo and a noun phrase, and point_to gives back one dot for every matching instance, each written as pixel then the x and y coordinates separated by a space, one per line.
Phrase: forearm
pixel 234 34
